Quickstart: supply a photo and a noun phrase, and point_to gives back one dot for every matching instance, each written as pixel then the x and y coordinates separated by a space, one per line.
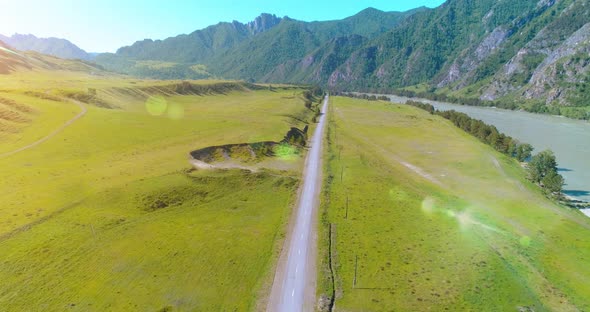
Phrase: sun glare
pixel 156 105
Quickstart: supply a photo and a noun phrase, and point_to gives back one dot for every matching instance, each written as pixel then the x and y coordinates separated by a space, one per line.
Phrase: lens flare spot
pixel 286 152
pixel 155 105
pixel 450 213
pixel 525 241
pixel 464 219
pixel 428 205
pixel 175 111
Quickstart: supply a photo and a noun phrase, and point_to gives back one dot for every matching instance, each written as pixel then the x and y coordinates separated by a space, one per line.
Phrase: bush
pixel 541 165
pixel 523 152
pixel 553 182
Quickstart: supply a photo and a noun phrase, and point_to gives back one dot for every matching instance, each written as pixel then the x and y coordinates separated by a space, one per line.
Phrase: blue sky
pixel 105 25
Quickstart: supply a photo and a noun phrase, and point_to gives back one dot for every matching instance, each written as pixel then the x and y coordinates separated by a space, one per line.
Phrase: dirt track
pixel 52 134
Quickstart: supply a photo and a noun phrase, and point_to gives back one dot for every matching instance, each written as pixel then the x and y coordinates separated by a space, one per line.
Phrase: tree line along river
pixel 569 139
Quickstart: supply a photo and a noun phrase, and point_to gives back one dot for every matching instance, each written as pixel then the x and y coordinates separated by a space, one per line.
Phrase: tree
pixel 523 152
pixel 512 148
pixel 541 165
pixel 553 182
pixel 492 138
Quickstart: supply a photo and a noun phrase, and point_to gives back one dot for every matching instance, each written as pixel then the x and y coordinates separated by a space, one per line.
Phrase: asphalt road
pixel 299 271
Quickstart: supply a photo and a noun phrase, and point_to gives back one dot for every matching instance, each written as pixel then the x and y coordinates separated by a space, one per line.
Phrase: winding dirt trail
pixel 52 134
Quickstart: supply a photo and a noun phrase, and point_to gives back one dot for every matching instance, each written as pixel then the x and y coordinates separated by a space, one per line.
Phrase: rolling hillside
pixel 12 60
pixel 98 193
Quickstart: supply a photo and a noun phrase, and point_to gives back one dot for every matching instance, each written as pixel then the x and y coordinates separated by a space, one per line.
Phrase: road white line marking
pixel 302 226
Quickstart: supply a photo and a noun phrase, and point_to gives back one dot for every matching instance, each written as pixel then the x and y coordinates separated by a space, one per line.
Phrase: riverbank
pixel 412 200
pixel 575 203
pixel 569 139
pixel 579 111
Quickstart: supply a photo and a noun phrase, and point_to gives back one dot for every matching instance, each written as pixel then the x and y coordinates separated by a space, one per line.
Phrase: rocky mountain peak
pixel 263 23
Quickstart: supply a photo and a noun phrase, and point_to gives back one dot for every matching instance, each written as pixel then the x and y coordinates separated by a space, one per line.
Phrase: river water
pixel 569 139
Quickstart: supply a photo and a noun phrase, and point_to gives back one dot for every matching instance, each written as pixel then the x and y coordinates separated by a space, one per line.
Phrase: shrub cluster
pixel 363 96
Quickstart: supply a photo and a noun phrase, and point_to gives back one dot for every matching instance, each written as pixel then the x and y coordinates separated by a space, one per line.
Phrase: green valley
pixel 420 216
pixel 530 55
pixel 112 201
pixel 350 156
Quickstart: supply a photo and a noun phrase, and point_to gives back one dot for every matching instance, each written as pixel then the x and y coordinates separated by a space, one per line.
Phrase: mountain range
pixel 531 54
pixel 51 46
pixel 12 60
pixel 243 50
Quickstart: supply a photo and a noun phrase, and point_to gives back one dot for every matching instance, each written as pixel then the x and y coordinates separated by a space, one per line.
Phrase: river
pixel 569 139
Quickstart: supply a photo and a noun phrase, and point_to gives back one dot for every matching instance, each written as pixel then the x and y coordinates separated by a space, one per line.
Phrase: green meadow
pixel 108 215
pixel 419 216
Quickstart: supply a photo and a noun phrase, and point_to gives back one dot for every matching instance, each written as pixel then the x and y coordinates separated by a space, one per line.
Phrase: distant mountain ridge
pixel 526 54
pixel 12 60
pixel 263 23
pixel 242 50
pixel 51 46
pixel 293 40
pixel 199 45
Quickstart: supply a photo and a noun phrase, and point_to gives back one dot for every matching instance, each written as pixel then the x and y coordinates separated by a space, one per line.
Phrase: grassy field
pixel 438 221
pixel 107 214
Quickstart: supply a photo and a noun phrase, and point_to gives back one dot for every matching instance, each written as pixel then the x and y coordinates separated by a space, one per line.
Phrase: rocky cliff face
pixel 263 23
pixel 564 67
pixel 553 64
pixel 463 67
pixel 488 50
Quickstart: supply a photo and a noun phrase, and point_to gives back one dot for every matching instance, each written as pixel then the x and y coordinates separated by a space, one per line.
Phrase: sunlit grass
pixel 187 241
pixel 105 215
pixel 430 223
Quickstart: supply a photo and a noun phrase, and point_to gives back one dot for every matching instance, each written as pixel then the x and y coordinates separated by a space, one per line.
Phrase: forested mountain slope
pixel 246 51
pixel 531 54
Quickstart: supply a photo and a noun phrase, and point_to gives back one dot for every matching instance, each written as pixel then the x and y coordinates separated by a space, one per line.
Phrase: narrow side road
pixel 294 283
